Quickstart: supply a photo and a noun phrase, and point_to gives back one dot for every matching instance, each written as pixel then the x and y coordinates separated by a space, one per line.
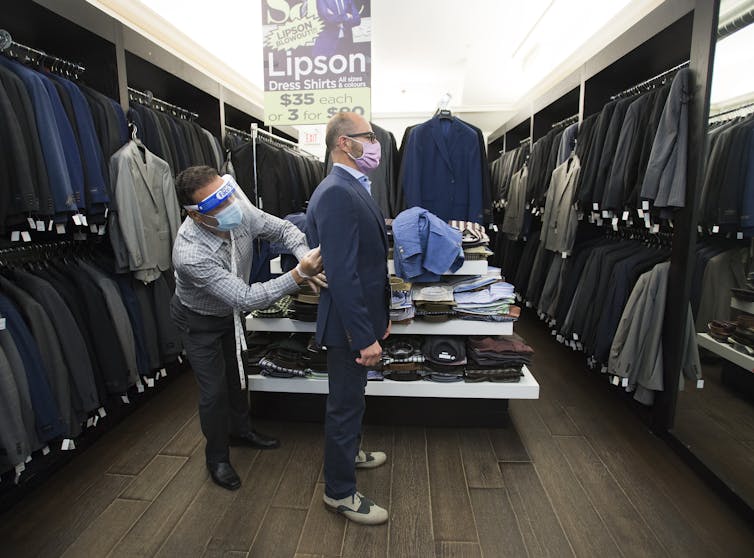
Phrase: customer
pixel 354 311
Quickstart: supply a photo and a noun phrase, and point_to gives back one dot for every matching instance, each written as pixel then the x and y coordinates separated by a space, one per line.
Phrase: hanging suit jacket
pixel 21 102
pixel 71 342
pixel 147 210
pixel 665 179
pixel 14 444
pixel 44 334
pixel 560 218
pixel 442 170
pixel 49 136
pixel 346 223
pixel 48 422
pixel 22 385
pixel 339 18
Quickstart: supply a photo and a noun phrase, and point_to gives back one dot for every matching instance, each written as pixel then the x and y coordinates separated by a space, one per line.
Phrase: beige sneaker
pixel 358 509
pixel 370 459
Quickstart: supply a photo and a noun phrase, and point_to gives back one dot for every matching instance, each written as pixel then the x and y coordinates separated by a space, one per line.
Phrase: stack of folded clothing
pixel 286 358
pixel 258 345
pixel 402 358
pixel 489 303
pixel 315 359
pixel 281 309
pixel 305 304
pixel 497 359
pixel 474 240
pixel 401 303
pixel 446 358
pixel 434 302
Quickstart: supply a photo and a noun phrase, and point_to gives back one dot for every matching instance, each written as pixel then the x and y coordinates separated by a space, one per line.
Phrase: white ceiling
pixel 490 55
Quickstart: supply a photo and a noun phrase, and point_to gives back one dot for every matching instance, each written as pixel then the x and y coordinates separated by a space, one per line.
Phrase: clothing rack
pixel 732 111
pixel 525 140
pixel 47 250
pixel 650 83
pixel 737 24
pixel 566 121
pixel 236 132
pixel 9 47
pixel 272 138
pixel 146 98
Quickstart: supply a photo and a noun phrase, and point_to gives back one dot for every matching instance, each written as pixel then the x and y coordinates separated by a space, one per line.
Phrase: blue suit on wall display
pixel 339 17
pixel 441 170
pixel 347 224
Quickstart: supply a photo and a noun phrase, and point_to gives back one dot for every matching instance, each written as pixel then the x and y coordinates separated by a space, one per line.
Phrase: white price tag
pixel 599 221
pixel 605 214
pixel 559 338
pixel 102 413
pixel 640 213
pixel 25 236
pixel 180 359
pixel 647 220
pixel 41 226
pixel 595 206
pixel 89 422
pixel 553 333
pixel 28 459
pixel 15 236
pixel 139 387
pixel 60 228
pixel 2 324
pixel 575 336
pixel 625 216
pixel 150 382
pixel 739 235
pixel 46 450
pixel 616 380
pixel 603 370
pixel 645 205
pixel 163 373
pixel 700 384
pixel 624 383
pixel 655 228
pixel 563 255
pixel 96 420
pixel 93 228
pixel 84 221
pixel 107 210
pixel 50 224
pixel 615 223
pixel 66 445
pixel 32 223
pixel 125 399
pixel 77 219
pixel 101 230
pixel 715 229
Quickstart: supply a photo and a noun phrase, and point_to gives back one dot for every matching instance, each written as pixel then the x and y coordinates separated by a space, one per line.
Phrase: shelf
pixel 742 305
pixel 471 267
pixel 526 388
pixel 726 351
pixel 451 327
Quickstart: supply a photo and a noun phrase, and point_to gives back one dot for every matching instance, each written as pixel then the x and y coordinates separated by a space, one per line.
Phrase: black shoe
pixel 255 439
pixel 224 475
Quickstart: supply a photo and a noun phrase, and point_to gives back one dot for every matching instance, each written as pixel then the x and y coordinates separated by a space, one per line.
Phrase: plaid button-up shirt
pixel 204 282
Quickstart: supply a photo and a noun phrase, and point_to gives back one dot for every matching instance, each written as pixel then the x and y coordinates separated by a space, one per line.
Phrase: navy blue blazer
pixel 347 224
pixel 442 170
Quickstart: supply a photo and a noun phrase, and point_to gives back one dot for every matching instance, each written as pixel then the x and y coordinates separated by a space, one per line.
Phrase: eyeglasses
pixel 371 136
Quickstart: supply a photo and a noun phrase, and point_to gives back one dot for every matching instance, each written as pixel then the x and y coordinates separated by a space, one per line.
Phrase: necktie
pixel 237 323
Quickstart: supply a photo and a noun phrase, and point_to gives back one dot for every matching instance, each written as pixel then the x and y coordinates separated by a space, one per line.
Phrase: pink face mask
pixel 370 158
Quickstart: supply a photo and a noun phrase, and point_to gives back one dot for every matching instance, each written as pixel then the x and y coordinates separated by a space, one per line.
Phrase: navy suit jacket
pixel 442 170
pixel 328 11
pixel 346 223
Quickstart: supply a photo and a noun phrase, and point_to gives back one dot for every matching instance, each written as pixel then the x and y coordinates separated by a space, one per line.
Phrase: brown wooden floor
pixel 578 475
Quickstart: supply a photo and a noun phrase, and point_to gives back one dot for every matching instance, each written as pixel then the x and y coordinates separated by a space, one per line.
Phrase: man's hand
pixel 317 282
pixel 371 355
pixel 387 331
pixel 311 262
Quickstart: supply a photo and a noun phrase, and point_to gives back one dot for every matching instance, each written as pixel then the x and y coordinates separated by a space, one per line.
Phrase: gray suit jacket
pixel 14 443
pixel 513 220
pixel 52 355
pixel 71 341
pixel 724 272
pixel 120 317
pixel 147 212
pixel 8 346
pixel 560 218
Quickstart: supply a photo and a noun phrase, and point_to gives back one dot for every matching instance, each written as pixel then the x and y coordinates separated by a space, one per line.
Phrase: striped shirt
pixel 204 282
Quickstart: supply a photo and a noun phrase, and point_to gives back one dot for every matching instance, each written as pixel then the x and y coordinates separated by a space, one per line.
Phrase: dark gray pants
pixel 345 410
pixel 211 350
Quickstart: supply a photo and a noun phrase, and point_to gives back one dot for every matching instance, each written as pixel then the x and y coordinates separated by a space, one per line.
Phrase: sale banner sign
pixel 317 60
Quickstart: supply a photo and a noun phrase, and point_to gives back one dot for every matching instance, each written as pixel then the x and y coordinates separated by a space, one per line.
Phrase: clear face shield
pixel 225 209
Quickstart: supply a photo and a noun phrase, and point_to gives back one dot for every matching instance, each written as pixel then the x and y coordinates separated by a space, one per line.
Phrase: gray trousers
pixel 211 350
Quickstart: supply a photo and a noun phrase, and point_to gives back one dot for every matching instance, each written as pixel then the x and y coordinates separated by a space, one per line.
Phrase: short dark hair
pixel 191 180
pixel 341 124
